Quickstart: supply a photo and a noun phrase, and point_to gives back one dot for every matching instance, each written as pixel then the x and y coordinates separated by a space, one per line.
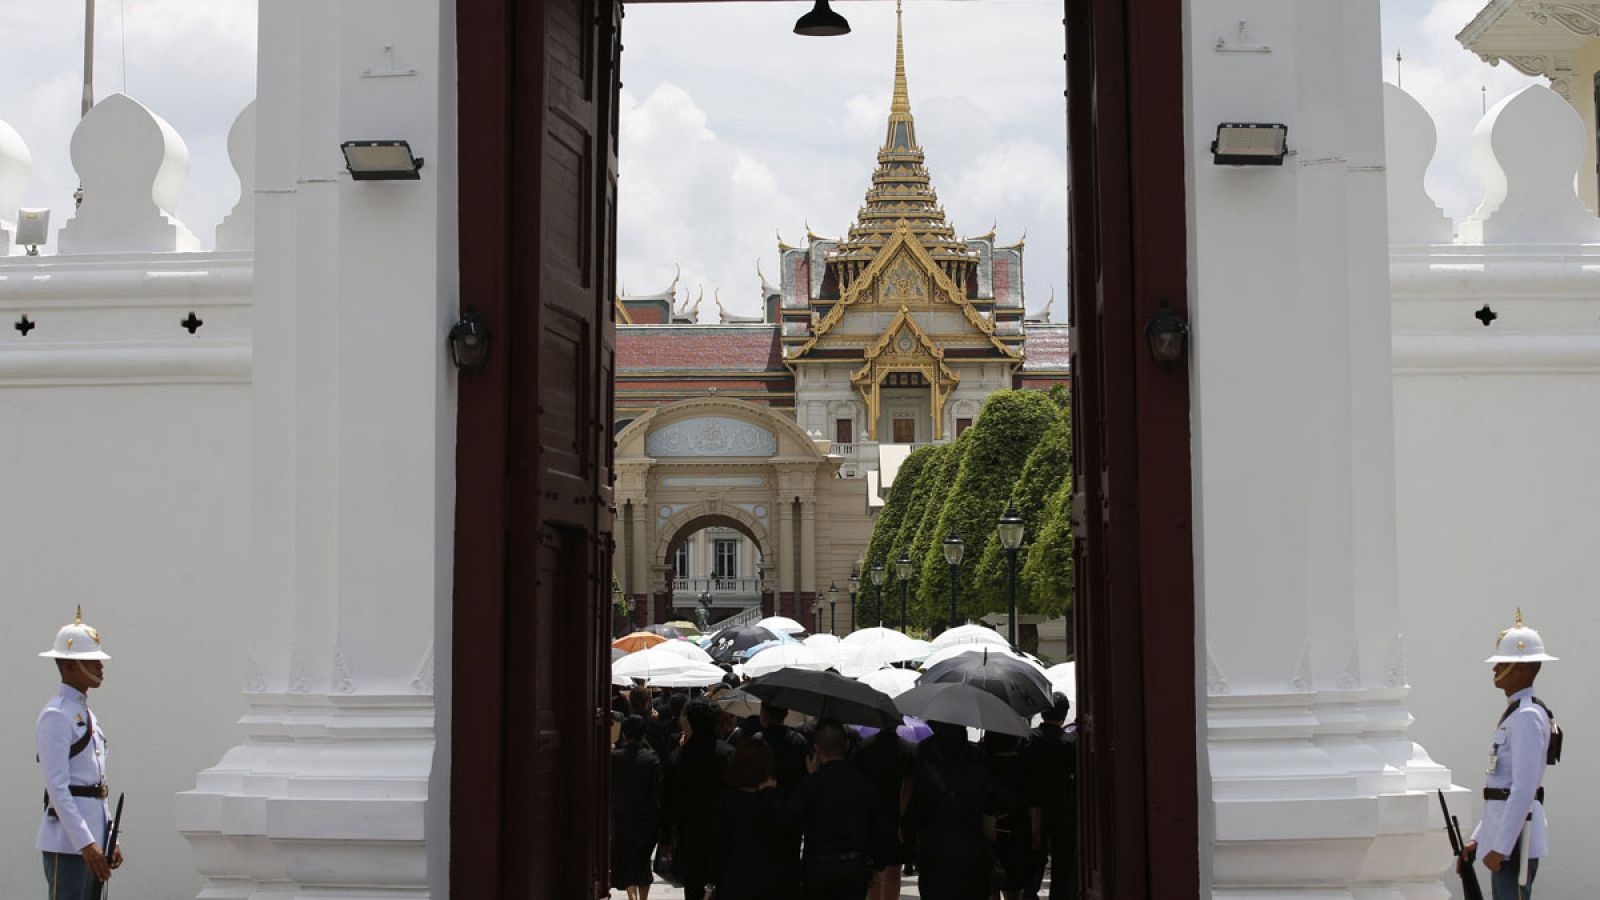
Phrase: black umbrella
pixel 961 704
pixel 826 695
pixel 728 646
pixel 666 631
pixel 1000 672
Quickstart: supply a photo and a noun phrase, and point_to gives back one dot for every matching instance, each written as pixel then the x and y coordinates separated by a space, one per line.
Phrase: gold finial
pixel 902 99
pixel 1519 617
pixel 79 619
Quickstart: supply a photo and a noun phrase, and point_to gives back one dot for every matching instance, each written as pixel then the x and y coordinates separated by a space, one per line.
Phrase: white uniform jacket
pixel 79 821
pixel 1518 764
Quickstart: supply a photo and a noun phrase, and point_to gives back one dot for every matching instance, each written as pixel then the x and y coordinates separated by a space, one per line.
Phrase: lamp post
pixel 953 547
pixel 618 602
pixel 833 605
pixel 902 571
pixel 878 574
pixel 855 588
pixel 1010 529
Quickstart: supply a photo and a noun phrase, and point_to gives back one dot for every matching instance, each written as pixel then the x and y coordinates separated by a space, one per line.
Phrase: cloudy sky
pixel 734 130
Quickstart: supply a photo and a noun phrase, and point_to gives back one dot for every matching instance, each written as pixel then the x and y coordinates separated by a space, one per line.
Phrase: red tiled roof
pixel 1048 348
pixel 698 348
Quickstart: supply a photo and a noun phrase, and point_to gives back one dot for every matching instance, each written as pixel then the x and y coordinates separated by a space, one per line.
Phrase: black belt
pixel 1505 794
pixel 79 790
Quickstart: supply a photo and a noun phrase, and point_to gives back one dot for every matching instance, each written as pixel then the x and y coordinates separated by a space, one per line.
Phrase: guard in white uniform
pixel 72 755
pixel 1512 831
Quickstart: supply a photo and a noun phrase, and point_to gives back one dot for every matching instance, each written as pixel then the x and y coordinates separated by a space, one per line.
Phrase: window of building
pixel 962 425
pixel 843 431
pixel 681 564
pixel 726 559
pixel 905 430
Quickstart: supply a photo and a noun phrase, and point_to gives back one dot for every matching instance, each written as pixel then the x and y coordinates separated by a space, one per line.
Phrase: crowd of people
pixel 757 808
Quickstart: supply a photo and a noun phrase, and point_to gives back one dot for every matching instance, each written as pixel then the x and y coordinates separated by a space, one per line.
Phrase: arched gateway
pixel 720 462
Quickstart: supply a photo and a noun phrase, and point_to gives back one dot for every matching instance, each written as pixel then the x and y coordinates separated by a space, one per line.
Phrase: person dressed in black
pixel 693 789
pixel 635 810
pixel 887 760
pixel 755 854
pixel 1016 825
pixel 1051 757
pixel 789 748
pixel 841 833
pixel 952 793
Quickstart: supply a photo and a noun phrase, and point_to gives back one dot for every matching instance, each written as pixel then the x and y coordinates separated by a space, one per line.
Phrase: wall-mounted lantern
pixel 1168 337
pixel 469 342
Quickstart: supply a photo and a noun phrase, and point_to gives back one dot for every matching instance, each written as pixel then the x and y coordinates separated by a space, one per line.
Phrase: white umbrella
pixel 697 675
pixel 784 656
pixel 857 661
pixel 686 649
pixel 1064 678
pixel 950 652
pixel 891 681
pixel 818 641
pixel 970 634
pixel 651 663
pixel 868 635
pixel 781 625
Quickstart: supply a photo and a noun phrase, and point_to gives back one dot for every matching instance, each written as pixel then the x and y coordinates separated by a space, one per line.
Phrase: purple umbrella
pixel 911 728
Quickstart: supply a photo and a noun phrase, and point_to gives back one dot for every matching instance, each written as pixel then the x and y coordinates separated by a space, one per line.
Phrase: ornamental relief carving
pixel 711 436
pixel 902 282
pixel 1582 19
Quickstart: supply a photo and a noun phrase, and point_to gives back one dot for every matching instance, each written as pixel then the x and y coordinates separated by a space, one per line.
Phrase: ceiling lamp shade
pixel 821 22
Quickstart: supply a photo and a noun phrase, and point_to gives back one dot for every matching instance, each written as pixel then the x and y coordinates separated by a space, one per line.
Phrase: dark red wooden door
pixel 529 807
pixel 1138 804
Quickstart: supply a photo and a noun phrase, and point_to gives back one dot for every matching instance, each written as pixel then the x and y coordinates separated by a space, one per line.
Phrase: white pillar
pixel 354 406
pixel 1315 788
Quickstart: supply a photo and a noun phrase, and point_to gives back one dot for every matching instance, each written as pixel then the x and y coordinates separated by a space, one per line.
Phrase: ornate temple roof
pixel 902 189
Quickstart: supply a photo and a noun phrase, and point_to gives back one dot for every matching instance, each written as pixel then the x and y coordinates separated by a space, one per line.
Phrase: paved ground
pixel 908 891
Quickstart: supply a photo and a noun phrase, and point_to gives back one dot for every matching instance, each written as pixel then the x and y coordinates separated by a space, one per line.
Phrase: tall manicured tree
pixel 1048 569
pixel 998 446
pixel 882 547
pixel 1047 468
pixel 937 478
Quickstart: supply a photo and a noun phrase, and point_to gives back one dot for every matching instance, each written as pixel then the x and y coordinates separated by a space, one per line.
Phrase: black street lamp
pixel 855 588
pixel 619 603
pixel 953 547
pixel 877 582
pixel 1010 529
pixel 833 603
pixel 902 571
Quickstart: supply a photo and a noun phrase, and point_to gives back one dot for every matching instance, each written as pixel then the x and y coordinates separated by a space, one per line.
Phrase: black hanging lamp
pixel 821 22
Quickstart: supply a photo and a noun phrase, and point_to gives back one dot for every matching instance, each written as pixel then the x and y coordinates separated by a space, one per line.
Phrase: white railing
pixel 716 584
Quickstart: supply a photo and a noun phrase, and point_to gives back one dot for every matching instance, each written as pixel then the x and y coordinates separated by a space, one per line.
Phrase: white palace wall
pixel 125 443
pixel 1496 429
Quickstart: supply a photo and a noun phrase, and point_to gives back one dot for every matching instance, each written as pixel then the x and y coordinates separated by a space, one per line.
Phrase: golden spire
pixel 902 99
pixel 79 619
pixel 1519 617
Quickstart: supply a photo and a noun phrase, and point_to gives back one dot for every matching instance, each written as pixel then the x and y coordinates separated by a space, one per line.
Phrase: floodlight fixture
pixel 381 161
pixel 821 22
pixel 1250 144
pixel 33 229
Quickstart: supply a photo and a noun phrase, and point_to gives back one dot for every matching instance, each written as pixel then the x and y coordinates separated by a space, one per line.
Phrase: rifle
pixel 1470 889
pixel 113 827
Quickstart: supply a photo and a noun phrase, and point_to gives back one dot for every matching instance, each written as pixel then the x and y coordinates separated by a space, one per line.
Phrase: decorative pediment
pixel 904 273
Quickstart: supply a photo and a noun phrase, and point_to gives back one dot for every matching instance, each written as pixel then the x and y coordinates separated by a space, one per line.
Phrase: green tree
pixel 991 464
pixel 1049 466
pixel 929 499
pixel 1048 570
pixel 886 528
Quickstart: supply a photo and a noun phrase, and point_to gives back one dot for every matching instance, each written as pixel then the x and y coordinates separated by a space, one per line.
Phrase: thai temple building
pixel 887 338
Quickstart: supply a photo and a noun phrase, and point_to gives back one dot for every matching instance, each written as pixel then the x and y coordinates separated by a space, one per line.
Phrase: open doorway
pixel 538 200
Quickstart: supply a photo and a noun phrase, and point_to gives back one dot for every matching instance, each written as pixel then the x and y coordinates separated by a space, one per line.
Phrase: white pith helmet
pixel 76 641
pixel 1520 644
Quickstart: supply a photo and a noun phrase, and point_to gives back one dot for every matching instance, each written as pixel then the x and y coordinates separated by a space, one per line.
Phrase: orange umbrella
pixel 639 640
